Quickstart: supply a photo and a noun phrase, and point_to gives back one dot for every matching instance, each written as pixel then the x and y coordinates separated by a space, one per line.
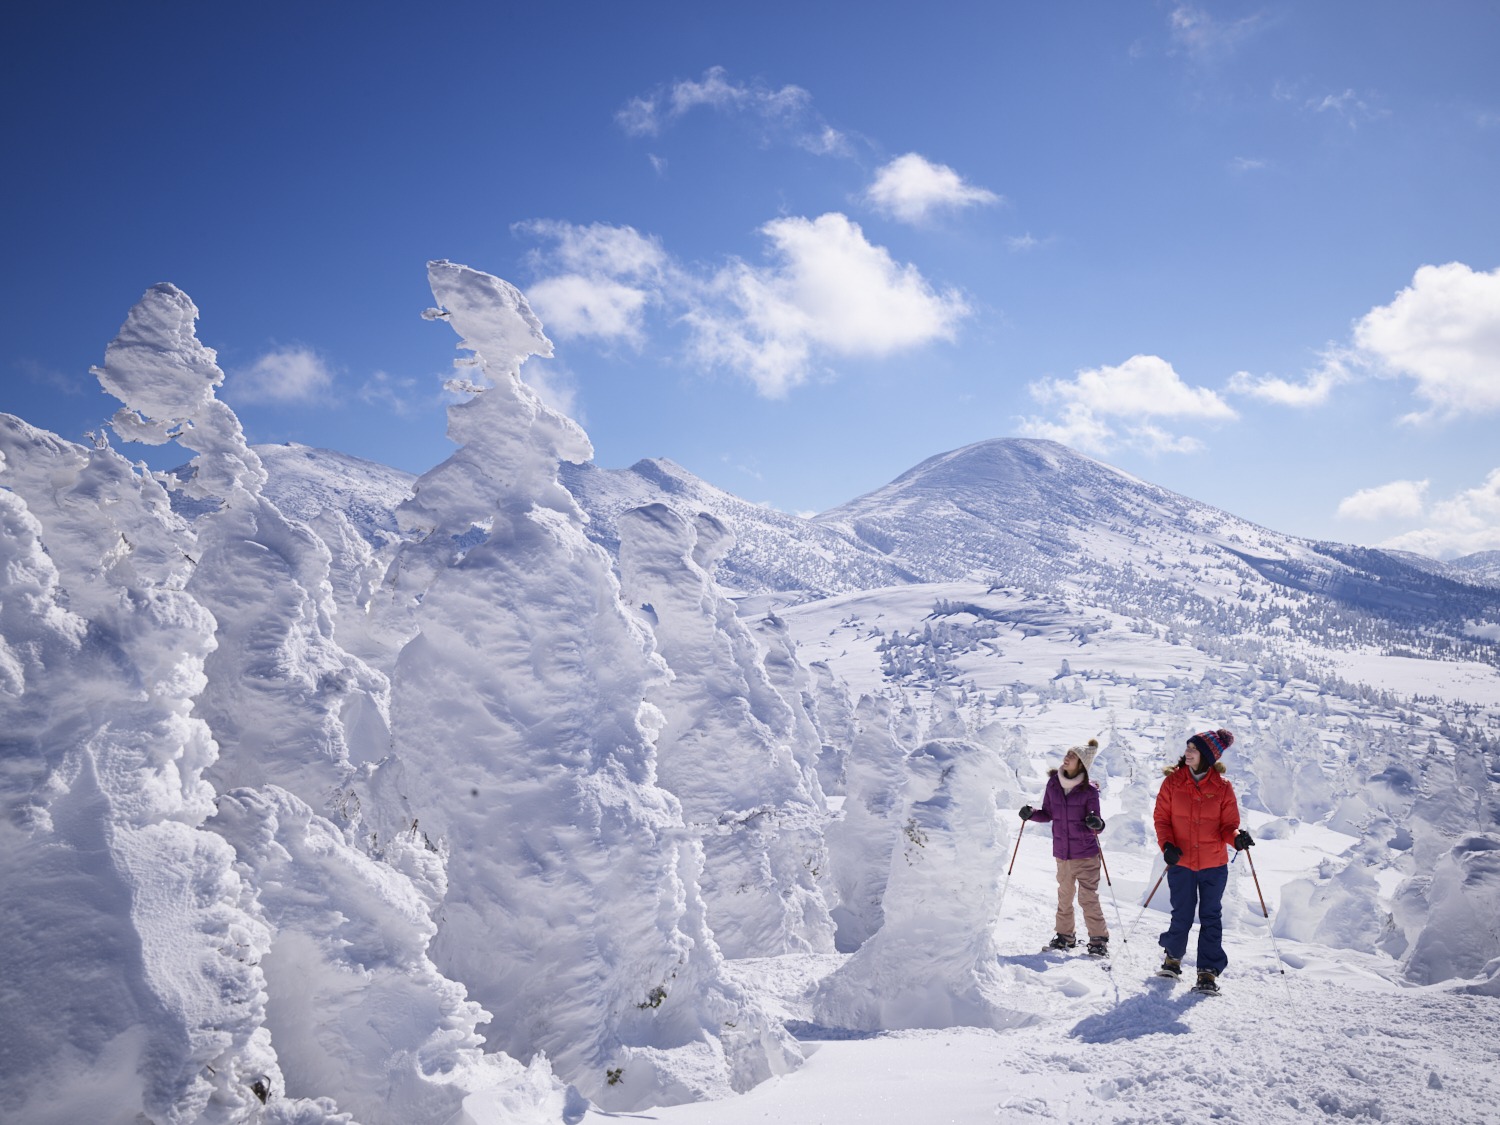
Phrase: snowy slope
pixel 1037 515
pixel 1301 1032
pixel 305 482
pixel 772 550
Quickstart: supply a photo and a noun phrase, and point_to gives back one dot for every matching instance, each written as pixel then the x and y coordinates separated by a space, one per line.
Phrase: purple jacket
pixel 1070 839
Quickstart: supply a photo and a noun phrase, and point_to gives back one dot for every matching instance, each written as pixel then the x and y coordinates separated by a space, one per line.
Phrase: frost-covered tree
pixel 277 682
pixel 130 964
pixel 934 962
pixel 739 785
pixel 834 717
pixel 355 1007
pixel 571 909
pixel 793 683
pixel 861 842
pixel 1460 934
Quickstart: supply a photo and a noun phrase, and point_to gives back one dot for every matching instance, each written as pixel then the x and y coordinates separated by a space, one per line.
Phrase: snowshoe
pixel 1208 983
pixel 1062 942
pixel 1098 947
pixel 1171 967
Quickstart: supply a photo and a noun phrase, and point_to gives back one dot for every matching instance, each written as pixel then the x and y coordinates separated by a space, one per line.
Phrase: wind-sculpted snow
pixel 572 910
pixel 355 1007
pixel 129 961
pixel 933 963
pixel 277 682
pixel 723 750
pixel 861 842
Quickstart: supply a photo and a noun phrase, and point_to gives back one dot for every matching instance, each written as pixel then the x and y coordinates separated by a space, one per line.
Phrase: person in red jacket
pixel 1197 819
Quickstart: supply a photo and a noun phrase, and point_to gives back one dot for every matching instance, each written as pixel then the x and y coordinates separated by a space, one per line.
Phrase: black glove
pixel 1026 811
pixel 1093 823
pixel 1242 841
pixel 1171 853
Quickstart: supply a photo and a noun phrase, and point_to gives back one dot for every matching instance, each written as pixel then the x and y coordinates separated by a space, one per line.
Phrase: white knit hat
pixel 1085 753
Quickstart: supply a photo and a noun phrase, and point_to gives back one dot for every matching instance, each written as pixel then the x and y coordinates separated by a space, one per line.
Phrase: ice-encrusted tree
pixel 740 787
pixel 794 685
pixel 130 964
pixel 572 910
pixel 834 718
pixel 277 682
pixel 861 842
pixel 934 963
pixel 355 1007
pixel 205 941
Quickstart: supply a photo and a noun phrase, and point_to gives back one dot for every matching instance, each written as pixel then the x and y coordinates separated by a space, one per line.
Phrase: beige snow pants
pixel 1084 875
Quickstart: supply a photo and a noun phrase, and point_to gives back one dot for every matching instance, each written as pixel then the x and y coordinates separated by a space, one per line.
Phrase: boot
pixel 1207 981
pixel 1099 946
pixel 1170 967
pixel 1063 941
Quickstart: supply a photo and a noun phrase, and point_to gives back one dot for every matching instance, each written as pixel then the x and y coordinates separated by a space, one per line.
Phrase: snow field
pixel 1331 1039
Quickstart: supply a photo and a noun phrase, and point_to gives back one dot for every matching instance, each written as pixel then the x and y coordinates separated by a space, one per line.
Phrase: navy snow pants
pixel 1201 893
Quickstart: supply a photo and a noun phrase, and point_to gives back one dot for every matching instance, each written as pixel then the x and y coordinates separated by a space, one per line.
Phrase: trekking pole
pixel 1108 882
pixel 1281 965
pixel 1144 905
pixel 1001 905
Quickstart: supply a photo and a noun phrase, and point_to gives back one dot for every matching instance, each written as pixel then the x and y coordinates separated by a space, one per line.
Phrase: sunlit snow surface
pixel 1331 1038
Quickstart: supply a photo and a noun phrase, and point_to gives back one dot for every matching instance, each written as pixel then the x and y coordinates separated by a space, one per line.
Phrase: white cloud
pixel 1143 388
pixel 828 291
pixel 912 188
pixel 785 111
pixel 572 306
pixel 1352 108
pixel 607 276
pixel 1469 522
pixel 1199 34
pixel 1400 499
pixel 292 374
pixel 1020 243
pixel 1243 164
pixel 1314 390
pixel 1443 331
pixel 599 249
pixel 555 385
pixel 385 389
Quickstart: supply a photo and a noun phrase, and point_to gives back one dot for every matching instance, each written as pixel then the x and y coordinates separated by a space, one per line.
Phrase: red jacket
pixel 1200 817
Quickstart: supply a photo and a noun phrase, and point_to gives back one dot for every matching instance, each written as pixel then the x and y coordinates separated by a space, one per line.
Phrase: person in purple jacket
pixel 1071 805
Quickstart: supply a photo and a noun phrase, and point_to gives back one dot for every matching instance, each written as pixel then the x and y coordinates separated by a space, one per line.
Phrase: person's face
pixel 1194 759
pixel 1071 764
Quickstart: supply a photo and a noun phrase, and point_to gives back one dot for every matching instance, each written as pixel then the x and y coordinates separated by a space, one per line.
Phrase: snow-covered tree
pixel 934 962
pixel 571 909
pixel 861 842
pixel 130 963
pixel 739 785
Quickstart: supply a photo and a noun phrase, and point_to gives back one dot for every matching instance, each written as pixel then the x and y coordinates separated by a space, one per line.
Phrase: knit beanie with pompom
pixel 1212 743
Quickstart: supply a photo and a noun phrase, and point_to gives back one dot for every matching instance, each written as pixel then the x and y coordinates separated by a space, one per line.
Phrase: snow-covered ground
pixel 1330 1038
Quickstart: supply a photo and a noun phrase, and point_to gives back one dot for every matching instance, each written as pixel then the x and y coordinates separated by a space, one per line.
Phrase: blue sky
pixel 1250 252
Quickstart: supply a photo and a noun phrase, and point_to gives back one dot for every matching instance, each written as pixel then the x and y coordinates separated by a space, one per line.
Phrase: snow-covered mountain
pixel 1036 515
pixel 772 550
